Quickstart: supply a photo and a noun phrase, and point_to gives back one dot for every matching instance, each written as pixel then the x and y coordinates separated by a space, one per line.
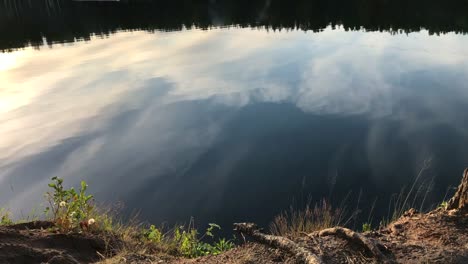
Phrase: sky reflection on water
pixel 232 124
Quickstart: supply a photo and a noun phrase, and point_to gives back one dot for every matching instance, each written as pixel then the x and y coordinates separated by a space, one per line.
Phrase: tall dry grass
pixel 294 223
pixel 414 197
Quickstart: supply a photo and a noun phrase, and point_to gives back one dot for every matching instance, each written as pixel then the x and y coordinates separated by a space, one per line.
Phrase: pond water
pixel 232 111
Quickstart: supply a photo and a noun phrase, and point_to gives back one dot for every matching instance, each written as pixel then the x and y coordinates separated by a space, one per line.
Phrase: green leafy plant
pixel 186 241
pixel 5 218
pixel 366 227
pixel 70 209
pixel 443 205
pixel 68 206
pixel 197 246
pixel 223 245
pixel 153 234
pixel 210 229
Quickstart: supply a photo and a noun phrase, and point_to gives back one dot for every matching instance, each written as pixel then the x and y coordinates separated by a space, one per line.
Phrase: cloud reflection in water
pixel 229 122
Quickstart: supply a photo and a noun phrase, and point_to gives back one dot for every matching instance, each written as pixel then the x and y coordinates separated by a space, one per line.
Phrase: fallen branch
pixel 348 234
pixel 301 253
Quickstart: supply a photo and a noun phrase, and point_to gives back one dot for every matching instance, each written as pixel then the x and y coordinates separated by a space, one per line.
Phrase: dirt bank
pixel 440 236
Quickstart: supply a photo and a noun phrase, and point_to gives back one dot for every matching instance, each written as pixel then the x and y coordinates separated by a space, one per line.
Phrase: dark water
pixel 232 110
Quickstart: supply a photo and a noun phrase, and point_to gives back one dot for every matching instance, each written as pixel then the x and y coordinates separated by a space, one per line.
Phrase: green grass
pixel 186 241
pixel 74 211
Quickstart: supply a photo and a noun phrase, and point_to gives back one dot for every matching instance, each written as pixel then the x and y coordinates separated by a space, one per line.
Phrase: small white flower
pixel 72 213
pixel 91 221
pixel 62 203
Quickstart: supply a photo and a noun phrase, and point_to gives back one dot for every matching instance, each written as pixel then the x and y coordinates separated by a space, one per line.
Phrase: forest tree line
pixel 30 22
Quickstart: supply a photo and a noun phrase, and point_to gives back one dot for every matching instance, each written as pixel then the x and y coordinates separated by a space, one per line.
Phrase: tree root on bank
pixel 460 200
pixel 305 255
pixel 301 253
pixel 372 247
pixel 388 249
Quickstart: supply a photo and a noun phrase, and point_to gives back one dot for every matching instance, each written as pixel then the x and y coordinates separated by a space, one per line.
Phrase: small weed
pixel 153 235
pixel 223 245
pixel 68 206
pixel 187 242
pixel 443 205
pixel 74 210
pixel 211 228
pixel 366 227
pixel 5 218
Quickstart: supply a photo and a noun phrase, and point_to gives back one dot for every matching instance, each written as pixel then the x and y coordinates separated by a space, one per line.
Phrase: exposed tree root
pixel 460 199
pixel 440 235
pixel 282 243
pixel 372 247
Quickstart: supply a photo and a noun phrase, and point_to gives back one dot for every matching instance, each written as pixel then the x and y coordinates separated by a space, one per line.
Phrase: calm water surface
pixel 231 123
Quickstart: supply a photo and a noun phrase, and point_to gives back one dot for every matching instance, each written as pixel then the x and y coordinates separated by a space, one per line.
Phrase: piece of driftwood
pixel 301 253
pixel 460 199
pixel 369 245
